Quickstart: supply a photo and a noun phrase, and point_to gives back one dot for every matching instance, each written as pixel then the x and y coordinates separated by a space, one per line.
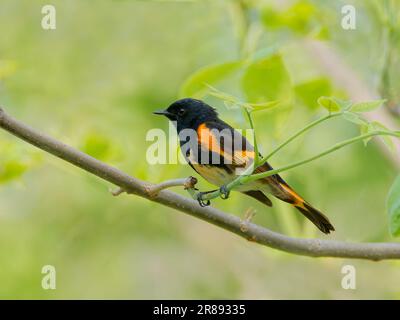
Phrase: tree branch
pixel 252 232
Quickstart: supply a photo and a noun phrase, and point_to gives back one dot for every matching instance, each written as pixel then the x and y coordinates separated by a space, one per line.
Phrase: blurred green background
pixel 94 82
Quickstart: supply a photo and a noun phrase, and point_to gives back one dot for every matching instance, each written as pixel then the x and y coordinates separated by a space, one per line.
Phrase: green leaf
pixel 331 104
pixel 300 17
pixel 387 140
pixel 366 106
pixel 7 68
pixel 393 207
pixel 195 85
pixel 232 102
pixel 231 105
pixel 11 170
pixel 220 94
pixel 97 146
pixel 364 129
pixel 374 126
pixel 321 33
pixel 271 18
pixel 262 106
pixel 354 118
pixel 309 92
pixel 267 80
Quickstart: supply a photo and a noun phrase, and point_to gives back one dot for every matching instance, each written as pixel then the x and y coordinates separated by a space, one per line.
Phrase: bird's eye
pixel 181 112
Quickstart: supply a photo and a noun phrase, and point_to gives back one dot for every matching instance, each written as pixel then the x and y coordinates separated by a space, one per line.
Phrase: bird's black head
pixel 189 113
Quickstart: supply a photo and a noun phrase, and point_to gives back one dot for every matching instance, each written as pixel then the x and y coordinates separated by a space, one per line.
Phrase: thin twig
pixel 299 133
pixel 248 177
pixel 117 192
pixel 187 183
pixel 248 216
pixel 253 232
pixel 322 154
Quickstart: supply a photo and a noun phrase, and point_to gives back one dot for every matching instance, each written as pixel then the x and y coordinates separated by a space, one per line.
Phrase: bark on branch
pixel 252 232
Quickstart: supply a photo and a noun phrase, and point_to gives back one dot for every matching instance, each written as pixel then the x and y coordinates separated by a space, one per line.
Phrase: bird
pixel 217 152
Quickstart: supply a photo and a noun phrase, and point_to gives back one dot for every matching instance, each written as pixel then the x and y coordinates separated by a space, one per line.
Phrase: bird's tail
pixel 314 215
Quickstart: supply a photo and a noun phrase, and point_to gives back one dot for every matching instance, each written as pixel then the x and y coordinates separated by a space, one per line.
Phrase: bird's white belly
pixel 215 175
pixel 219 177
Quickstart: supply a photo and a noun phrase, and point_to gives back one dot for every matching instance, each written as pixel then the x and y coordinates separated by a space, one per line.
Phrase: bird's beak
pixel 163 113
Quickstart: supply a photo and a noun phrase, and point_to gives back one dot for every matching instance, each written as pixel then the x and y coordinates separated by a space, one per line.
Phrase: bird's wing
pixel 224 144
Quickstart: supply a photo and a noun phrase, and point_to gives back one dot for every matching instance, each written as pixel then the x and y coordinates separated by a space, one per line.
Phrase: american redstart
pixel 217 152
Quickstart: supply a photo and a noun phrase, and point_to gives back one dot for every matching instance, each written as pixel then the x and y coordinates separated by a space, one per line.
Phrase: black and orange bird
pixel 217 152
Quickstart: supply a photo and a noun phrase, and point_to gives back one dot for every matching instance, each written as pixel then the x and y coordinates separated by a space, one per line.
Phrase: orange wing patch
pixel 209 141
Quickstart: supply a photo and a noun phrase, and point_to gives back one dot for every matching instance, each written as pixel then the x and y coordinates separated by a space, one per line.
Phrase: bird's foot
pixel 202 202
pixel 224 192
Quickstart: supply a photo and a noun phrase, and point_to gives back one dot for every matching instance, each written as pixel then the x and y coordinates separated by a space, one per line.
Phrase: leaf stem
pixel 299 133
pixel 256 153
pixel 246 178
pixel 320 155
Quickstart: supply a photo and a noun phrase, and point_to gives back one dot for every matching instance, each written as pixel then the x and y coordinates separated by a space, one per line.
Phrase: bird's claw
pixel 224 192
pixel 202 202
